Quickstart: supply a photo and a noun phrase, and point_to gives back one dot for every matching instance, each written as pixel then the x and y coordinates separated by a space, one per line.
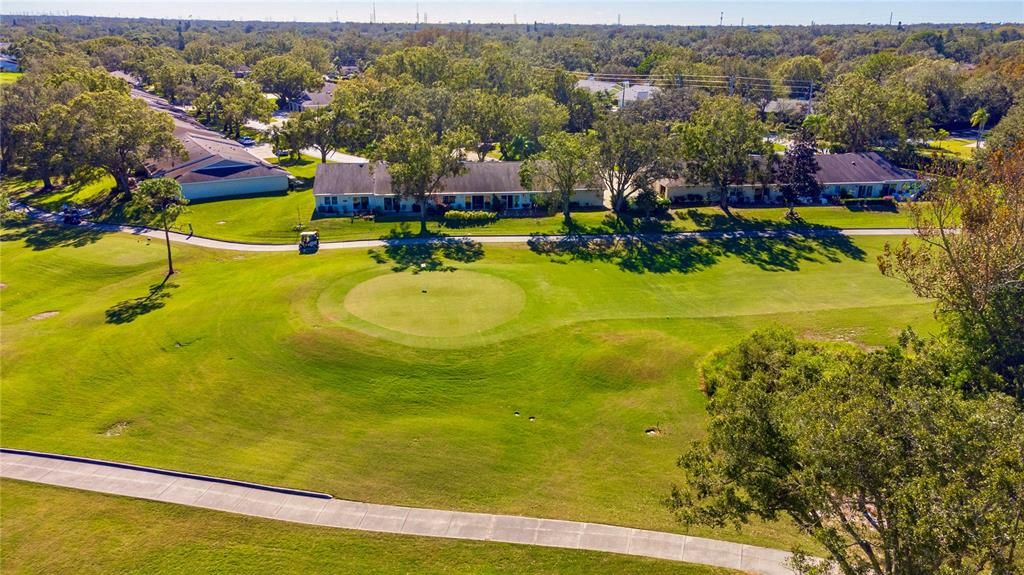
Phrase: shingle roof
pixel 211 156
pixel 857 168
pixel 862 168
pixel 359 180
pixel 320 98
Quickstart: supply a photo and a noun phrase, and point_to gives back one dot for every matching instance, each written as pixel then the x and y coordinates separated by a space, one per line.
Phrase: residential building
pixel 861 175
pixel 357 188
pixel 623 92
pixel 215 166
pixel 313 100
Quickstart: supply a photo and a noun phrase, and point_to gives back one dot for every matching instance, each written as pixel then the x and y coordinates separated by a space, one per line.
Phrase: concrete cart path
pixel 320 509
pixel 203 242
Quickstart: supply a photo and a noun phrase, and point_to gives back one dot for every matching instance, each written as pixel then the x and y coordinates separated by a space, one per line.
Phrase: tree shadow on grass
pixel 771 246
pixel 408 251
pixel 129 310
pixel 635 254
pixel 43 236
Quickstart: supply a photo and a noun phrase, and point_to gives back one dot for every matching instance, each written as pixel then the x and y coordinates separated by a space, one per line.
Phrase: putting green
pixel 436 304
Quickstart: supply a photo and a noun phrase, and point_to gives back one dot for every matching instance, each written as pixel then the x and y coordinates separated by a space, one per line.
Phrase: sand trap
pixel 116 429
pixel 43 315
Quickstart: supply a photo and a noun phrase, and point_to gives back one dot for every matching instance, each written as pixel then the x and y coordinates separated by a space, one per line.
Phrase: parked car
pixel 246 141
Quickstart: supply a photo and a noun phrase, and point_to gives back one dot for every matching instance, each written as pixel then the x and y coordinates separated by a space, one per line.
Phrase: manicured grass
pixel 450 308
pixel 77 193
pixel 55 530
pixel 9 77
pixel 272 367
pixel 279 218
pixel 962 148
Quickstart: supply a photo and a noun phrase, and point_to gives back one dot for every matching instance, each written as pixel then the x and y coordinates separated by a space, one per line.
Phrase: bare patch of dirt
pixel 652 431
pixel 116 429
pixel 44 315
pixel 3 285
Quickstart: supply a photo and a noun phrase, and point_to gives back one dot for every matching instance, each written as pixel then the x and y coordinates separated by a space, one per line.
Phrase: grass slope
pixel 253 366
pixel 54 530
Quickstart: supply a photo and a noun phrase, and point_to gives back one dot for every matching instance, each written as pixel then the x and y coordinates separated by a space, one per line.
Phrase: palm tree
pixel 979 118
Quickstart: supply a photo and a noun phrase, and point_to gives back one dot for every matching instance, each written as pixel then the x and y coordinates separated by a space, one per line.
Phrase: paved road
pixel 321 509
pixel 504 239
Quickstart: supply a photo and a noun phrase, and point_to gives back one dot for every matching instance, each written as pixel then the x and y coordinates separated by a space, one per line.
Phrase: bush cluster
pixel 460 218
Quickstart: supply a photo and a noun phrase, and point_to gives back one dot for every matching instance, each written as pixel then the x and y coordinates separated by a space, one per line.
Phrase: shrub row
pixel 460 218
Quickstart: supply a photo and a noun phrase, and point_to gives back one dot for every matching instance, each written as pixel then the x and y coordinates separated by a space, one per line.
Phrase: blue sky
pixel 685 12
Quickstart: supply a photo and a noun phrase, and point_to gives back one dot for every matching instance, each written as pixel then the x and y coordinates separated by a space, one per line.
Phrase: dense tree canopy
pixel 286 76
pixel 717 143
pixel 891 475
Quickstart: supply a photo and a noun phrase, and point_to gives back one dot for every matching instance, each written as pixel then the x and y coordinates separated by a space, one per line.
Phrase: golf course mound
pixel 436 304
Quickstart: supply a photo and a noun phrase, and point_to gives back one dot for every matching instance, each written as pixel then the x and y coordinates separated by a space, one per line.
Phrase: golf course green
pixel 546 380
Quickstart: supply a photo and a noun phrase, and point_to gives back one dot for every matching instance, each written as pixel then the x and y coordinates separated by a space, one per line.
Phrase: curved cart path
pixel 320 509
pixel 211 243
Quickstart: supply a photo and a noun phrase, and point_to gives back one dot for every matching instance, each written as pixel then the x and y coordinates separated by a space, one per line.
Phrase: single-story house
pixel 242 71
pixel 357 188
pixel 216 166
pixel 313 100
pixel 854 175
pixel 623 92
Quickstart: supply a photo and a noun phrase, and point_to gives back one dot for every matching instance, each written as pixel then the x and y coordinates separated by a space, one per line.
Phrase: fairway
pixel 523 381
pixel 436 304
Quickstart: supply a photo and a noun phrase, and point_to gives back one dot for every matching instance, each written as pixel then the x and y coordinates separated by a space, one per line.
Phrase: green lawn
pixel 279 218
pixel 962 148
pixel 287 369
pixel 54 530
pixel 9 77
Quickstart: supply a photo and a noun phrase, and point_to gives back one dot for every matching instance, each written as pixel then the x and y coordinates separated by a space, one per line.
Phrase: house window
pixel 448 200
pixel 478 203
pixel 510 201
pixel 392 204
pixel 334 200
pixel 361 203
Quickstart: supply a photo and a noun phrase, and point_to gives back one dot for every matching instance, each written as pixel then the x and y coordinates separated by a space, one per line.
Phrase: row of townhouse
pixel 347 189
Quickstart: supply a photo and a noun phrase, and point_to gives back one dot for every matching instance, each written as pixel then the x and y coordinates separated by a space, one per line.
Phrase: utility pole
pixel 890 18
pixel 721 17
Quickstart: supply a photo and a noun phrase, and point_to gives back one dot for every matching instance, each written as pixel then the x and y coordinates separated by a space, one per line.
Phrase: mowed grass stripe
pixel 54 530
